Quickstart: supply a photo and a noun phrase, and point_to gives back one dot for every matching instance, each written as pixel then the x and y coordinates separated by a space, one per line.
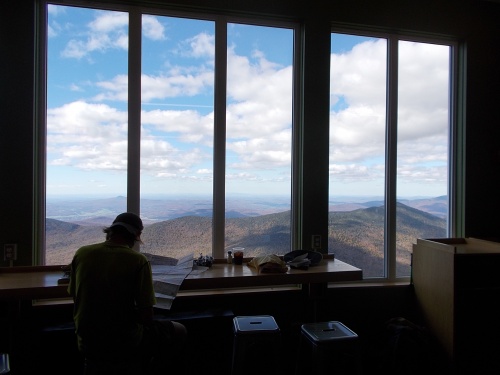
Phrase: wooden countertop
pixel 41 282
pixel 236 276
pixel 32 282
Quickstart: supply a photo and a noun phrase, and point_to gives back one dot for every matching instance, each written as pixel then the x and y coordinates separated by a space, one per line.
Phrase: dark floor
pixel 389 350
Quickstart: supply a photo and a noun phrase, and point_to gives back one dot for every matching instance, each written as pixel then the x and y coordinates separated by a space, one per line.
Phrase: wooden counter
pixel 31 282
pixel 42 281
pixel 235 276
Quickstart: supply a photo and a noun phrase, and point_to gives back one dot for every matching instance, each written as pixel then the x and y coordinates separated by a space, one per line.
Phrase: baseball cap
pixel 130 221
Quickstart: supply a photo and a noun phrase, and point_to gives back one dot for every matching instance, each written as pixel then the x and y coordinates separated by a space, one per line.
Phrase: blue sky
pixel 87 104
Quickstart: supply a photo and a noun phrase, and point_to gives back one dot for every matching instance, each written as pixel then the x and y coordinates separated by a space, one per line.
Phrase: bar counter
pixel 40 282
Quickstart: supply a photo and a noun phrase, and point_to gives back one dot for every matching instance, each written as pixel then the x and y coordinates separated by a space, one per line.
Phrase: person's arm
pixel 72 278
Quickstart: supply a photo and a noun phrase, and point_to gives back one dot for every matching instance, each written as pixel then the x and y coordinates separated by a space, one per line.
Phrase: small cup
pixel 238 255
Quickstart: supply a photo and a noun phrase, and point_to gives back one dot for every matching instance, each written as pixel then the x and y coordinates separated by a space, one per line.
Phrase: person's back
pixel 110 283
pixel 112 288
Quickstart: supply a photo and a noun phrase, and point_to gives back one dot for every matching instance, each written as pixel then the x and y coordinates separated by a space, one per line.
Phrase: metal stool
pixel 256 345
pixel 4 363
pixel 333 348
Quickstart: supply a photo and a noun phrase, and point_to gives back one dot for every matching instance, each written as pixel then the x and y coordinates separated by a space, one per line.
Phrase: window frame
pixel 134 111
pixel 301 137
pixel 456 137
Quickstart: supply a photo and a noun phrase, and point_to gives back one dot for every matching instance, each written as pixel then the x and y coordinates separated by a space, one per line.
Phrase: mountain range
pixel 355 236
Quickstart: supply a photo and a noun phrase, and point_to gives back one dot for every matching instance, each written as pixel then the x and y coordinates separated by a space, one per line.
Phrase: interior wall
pixel 365 310
pixel 16 127
pixel 482 154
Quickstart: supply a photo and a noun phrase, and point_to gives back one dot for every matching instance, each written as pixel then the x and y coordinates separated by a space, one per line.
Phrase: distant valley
pixel 355 235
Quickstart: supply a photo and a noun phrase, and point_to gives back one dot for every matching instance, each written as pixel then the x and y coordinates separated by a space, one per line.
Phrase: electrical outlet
pixel 10 252
pixel 316 241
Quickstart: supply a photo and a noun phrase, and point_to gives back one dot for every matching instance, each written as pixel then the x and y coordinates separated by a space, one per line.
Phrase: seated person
pixel 112 288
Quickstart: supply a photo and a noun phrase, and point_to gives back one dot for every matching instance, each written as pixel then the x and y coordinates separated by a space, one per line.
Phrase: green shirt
pixel 109 283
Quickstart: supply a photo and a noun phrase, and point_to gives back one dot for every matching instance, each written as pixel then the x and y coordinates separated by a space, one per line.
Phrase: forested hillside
pixel 355 237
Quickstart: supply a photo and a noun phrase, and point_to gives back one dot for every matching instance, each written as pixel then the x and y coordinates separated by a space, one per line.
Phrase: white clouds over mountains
pixel 89 131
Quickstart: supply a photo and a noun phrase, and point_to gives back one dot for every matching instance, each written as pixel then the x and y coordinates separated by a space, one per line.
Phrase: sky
pixel 87 109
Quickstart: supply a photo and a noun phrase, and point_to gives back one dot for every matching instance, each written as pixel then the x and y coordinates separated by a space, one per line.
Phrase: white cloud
pixel 358 122
pixel 51 32
pixel 81 119
pixel 109 22
pixel 88 136
pixel 94 137
pixel 152 28
pixel 160 87
pixel 200 46
pixel 189 126
pixel 262 153
pixel 354 172
pixel 360 75
pixel 260 97
pixel 109 30
pixel 75 87
pixel 259 120
pixel 164 159
pixel 116 89
pixel 185 80
pixel 204 171
pixel 55 10
pixel 177 143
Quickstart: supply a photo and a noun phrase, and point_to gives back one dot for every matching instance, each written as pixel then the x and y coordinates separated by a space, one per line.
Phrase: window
pixel 259 139
pixel 390 132
pixel 196 121
pixel 186 120
pixel 87 132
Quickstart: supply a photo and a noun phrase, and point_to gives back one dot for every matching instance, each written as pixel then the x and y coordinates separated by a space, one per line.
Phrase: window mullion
pixel 134 112
pixel 456 156
pixel 391 158
pixel 40 110
pixel 297 216
pixel 219 190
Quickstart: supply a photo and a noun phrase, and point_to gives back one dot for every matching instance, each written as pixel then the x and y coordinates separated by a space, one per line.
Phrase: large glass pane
pixel 423 133
pixel 259 139
pixel 177 135
pixel 86 126
pixel 357 151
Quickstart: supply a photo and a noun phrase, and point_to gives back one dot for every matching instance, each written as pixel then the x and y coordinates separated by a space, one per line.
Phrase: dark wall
pixel 473 22
pixel 482 154
pixel 16 127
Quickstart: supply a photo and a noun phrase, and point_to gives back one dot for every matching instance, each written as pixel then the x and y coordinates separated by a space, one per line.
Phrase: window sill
pixel 370 283
pixel 235 291
pixel 228 291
